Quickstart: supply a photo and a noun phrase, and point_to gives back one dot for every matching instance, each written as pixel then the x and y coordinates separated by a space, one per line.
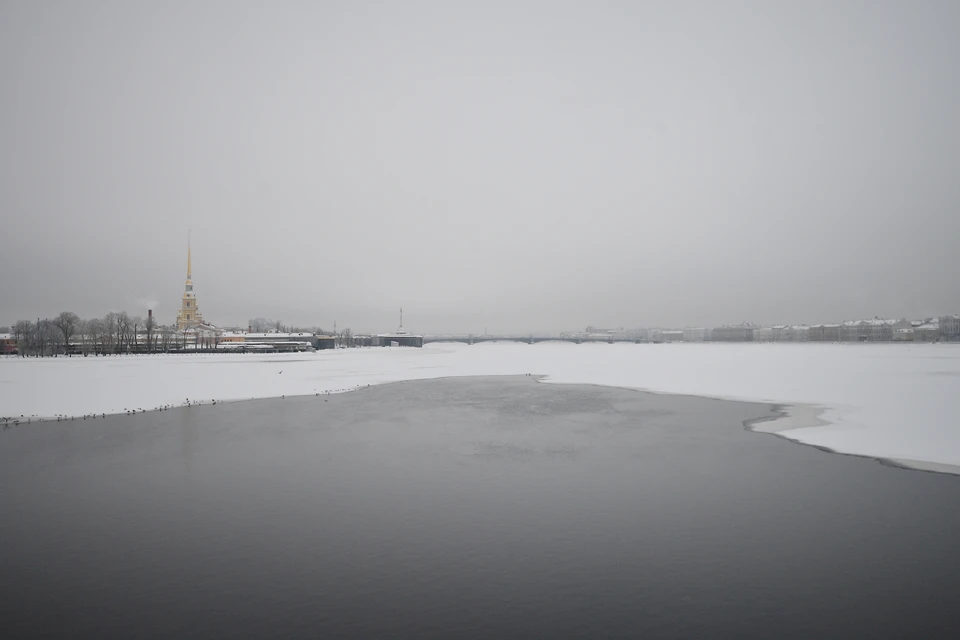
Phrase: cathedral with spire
pixel 189 316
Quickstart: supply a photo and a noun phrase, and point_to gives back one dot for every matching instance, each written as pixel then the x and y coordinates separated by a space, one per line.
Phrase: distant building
pixel 904 335
pixel 665 335
pixel 8 344
pixel 763 334
pixel 694 334
pixel 853 331
pixel 950 327
pixel 400 338
pixel 929 332
pixel 298 341
pixel 671 335
pixel 738 333
pixel 824 333
pixel 797 333
pixel 875 330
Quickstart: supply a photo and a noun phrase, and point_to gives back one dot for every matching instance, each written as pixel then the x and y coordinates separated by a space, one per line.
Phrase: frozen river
pixel 893 401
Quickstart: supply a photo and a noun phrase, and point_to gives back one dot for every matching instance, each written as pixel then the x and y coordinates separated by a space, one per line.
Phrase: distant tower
pixel 188 315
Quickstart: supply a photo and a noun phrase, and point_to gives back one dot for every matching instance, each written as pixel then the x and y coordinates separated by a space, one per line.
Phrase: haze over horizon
pixel 533 166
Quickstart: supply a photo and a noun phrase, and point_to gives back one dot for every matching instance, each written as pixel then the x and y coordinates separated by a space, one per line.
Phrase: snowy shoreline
pixel 788 418
pixel 892 402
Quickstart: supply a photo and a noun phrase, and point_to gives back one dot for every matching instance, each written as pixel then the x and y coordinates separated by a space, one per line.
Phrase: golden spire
pixel 188 255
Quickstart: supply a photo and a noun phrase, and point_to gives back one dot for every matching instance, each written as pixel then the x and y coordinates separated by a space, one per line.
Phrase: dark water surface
pixel 471 508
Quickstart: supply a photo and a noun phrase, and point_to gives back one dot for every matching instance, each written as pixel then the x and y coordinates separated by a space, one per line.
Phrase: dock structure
pixel 299 341
pixel 399 338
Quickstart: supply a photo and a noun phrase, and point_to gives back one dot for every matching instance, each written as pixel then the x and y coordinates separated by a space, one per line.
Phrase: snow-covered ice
pixel 891 400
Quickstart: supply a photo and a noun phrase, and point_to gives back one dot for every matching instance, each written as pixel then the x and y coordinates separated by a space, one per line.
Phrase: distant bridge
pixel 533 339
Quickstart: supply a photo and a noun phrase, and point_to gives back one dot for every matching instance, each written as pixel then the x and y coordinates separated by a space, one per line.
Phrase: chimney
pixel 249 328
pixel 149 313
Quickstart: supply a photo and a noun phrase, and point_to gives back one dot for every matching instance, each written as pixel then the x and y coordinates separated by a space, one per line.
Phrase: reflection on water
pixel 466 508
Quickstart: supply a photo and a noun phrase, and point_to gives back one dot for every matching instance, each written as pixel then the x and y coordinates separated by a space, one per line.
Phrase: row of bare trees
pixel 119 332
pixel 116 332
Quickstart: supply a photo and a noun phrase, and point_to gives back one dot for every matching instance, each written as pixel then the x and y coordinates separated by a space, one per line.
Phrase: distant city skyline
pixel 188 298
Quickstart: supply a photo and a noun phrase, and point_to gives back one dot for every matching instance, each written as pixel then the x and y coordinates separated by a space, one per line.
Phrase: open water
pixel 468 508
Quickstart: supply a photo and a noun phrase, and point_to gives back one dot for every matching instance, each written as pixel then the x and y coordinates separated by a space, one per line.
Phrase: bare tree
pixel 124 328
pixel 260 325
pixel 108 334
pixel 166 337
pixel 91 331
pixel 67 323
pixel 41 333
pixel 104 328
pixel 21 333
pixel 134 324
pixel 53 338
pixel 87 336
pixel 120 328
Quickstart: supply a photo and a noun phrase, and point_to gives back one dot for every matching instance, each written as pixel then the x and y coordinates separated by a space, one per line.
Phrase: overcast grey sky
pixel 512 165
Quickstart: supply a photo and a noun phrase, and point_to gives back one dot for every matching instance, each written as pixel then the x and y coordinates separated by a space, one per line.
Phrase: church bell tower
pixel 189 315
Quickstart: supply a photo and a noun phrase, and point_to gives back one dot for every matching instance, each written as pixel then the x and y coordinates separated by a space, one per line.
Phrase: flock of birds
pixel 60 417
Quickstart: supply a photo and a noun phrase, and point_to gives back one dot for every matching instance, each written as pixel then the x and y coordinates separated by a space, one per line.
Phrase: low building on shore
pixel 398 339
pixel 853 331
pixel 782 333
pixel 824 333
pixel 670 335
pixel 904 335
pixel 298 341
pixel 797 333
pixel 734 333
pixel 763 334
pixel 665 335
pixel 8 344
pixel 950 327
pixel 874 330
pixel 929 332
